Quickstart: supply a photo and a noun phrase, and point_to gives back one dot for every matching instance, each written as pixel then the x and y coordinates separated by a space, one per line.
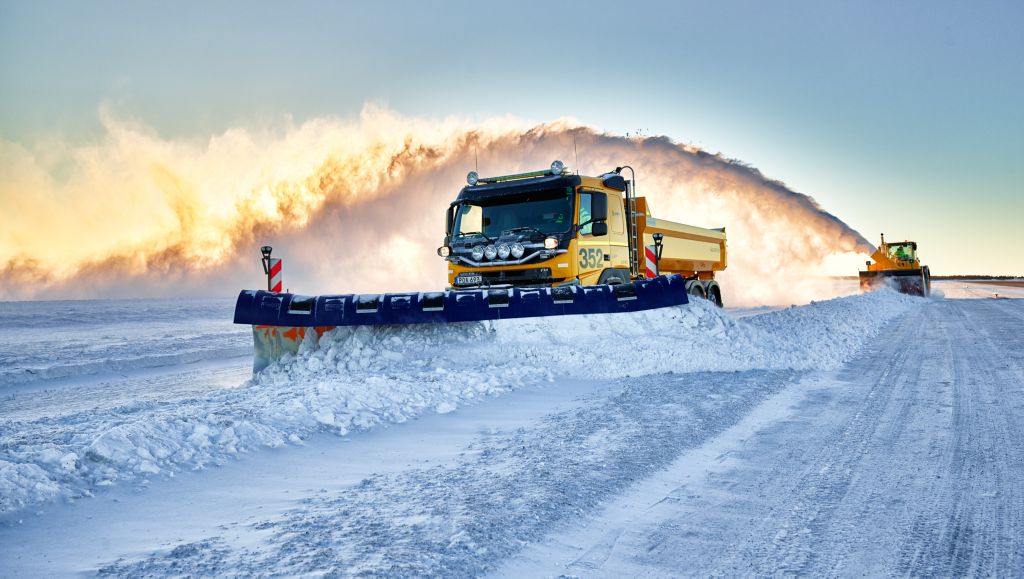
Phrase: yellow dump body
pixel 687 250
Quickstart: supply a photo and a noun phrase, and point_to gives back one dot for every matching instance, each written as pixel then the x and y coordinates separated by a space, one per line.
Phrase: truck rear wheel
pixel 696 290
pixel 715 296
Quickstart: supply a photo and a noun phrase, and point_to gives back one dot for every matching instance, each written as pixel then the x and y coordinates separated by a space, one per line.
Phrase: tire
pixel 614 276
pixel 696 290
pixel 715 296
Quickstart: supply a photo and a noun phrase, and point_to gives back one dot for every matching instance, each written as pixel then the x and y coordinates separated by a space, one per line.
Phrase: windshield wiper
pixel 481 233
pixel 526 228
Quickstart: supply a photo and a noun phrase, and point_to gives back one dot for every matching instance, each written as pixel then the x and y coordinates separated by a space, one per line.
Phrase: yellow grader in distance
pixel 897 265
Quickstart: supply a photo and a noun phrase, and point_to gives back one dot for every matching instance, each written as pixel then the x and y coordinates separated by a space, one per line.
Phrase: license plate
pixel 464 279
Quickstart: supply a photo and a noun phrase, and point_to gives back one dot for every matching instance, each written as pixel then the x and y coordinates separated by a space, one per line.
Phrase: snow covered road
pixel 909 460
pixel 902 456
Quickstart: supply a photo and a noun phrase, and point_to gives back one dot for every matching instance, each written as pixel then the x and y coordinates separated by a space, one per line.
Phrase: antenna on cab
pixel 575 152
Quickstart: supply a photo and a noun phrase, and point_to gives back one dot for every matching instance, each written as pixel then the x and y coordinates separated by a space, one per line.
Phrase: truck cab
pixel 552 228
pixel 547 228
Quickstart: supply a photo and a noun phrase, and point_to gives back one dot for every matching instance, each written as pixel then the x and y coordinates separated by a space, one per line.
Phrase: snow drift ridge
pixel 362 377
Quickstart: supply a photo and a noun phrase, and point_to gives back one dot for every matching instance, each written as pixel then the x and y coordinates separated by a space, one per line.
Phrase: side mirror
pixel 599 229
pixel 450 220
pixel 599 208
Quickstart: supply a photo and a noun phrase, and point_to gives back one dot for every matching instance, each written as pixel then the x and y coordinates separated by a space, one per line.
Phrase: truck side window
pixel 584 216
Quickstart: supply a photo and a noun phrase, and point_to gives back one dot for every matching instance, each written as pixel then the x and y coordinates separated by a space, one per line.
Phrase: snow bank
pixel 357 378
pixel 692 338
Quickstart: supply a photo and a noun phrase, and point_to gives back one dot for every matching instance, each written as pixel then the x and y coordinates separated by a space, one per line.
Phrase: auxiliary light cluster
pixel 501 251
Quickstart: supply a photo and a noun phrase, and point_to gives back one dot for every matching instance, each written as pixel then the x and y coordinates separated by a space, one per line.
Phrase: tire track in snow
pixel 789 539
pixel 973 524
pixel 908 461
pixel 507 490
pixel 923 477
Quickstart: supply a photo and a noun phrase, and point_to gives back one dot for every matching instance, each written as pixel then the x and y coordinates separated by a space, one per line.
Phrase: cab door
pixel 592 252
pixel 617 241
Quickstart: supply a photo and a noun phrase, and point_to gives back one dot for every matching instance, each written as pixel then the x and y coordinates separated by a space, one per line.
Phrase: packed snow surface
pixel 357 378
pixel 849 445
pixel 70 339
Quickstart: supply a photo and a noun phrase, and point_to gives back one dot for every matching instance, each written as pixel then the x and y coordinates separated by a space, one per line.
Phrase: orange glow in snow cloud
pixel 355 206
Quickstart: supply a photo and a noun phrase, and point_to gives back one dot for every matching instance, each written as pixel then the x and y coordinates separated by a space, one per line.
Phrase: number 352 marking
pixel 591 257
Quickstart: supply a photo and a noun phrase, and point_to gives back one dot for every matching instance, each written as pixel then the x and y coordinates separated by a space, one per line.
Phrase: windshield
pixel 545 212
pixel 904 251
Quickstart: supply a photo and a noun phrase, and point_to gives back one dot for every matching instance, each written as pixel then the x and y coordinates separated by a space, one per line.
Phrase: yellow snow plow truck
pixel 547 243
pixel 554 229
pixel 897 265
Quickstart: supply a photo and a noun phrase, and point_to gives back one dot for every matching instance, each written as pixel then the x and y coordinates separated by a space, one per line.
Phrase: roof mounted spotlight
pixel 265 250
pixel 557 167
pixel 658 237
pixel 472 178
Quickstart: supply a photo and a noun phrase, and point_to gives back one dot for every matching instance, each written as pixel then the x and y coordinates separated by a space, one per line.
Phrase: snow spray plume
pixel 352 206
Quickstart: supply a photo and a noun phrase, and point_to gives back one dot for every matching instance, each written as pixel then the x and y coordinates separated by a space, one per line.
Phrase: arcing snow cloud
pixel 352 206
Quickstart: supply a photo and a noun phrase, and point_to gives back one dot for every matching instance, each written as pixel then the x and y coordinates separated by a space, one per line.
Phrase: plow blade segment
pixel 261 308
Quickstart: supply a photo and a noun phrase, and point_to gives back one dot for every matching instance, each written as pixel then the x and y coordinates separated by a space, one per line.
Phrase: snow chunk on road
pixel 357 378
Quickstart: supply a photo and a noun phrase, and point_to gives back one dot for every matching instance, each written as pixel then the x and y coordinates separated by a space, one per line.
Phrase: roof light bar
pixel 557 168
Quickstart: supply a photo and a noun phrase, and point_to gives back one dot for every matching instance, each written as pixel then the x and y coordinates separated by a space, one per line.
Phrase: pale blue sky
pixel 856 103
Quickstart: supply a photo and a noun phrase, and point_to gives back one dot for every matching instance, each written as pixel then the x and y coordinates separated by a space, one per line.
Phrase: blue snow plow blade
pixel 281 322
pixel 262 308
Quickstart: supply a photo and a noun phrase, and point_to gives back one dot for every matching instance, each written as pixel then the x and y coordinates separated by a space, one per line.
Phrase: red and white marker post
pixel 271 267
pixel 274 277
pixel 652 261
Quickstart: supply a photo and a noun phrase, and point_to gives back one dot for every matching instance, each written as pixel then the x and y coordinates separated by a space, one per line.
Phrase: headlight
pixel 490 252
pixel 444 251
pixel 551 243
pixel 517 250
pixel 557 167
pixel 503 251
pixel 472 178
pixel 478 253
